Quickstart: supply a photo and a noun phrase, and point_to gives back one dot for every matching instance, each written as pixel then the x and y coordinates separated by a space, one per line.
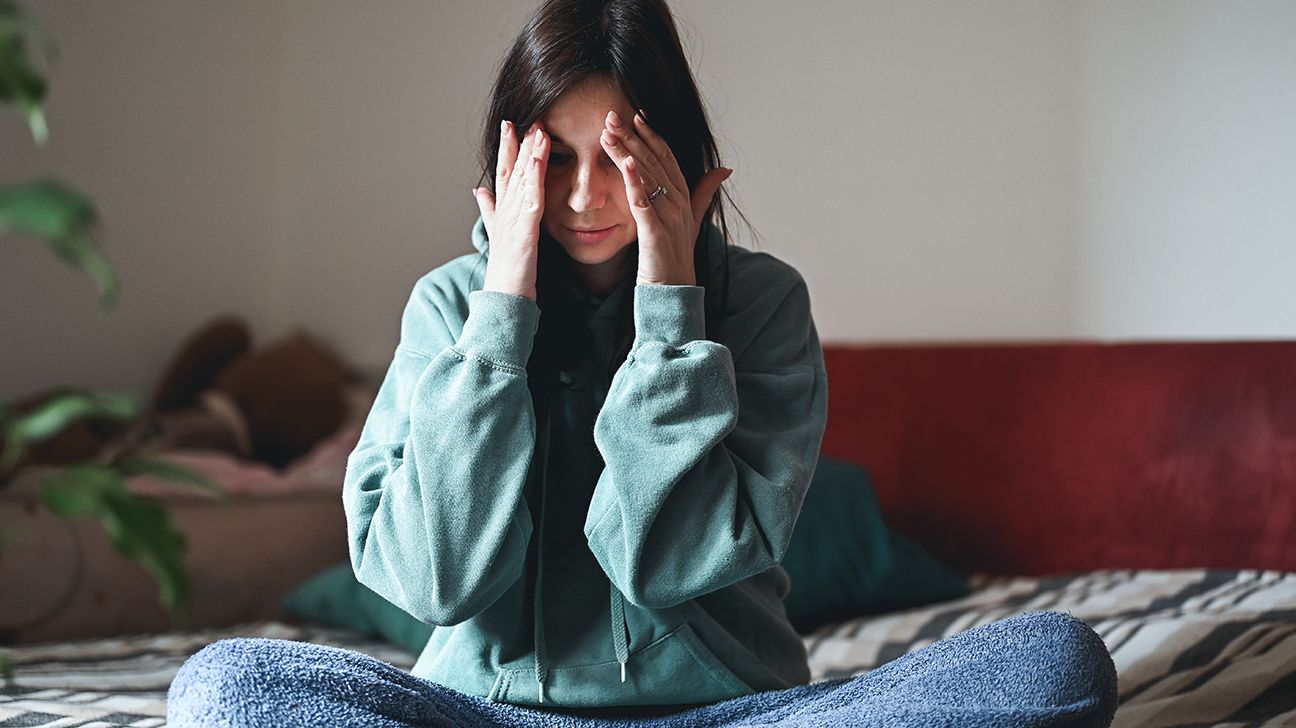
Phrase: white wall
pixel 381 106
pixel 937 170
pixel 911 158
pixel 1185 194
pixel 166 115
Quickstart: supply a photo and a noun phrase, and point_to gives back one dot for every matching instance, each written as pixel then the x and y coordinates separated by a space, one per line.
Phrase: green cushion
pixel 335 598
pixel 845 562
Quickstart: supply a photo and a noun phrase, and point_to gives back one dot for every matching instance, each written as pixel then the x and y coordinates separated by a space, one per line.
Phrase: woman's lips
pixel 592 236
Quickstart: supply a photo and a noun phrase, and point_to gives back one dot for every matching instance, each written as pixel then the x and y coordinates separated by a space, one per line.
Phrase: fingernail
pixel 613 119
pixel 504 126
pixel 641 117
pixel 474 193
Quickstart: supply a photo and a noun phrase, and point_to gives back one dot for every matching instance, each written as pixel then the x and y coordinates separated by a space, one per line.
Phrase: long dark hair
pixel 633 43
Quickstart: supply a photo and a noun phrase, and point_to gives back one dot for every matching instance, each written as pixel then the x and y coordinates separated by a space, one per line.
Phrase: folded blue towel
pixel 1035 669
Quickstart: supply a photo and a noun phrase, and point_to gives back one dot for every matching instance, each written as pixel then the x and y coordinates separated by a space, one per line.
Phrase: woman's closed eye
pixel 556 157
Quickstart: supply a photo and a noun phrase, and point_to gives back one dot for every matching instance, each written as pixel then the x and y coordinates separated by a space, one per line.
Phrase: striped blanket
pixel 1192 647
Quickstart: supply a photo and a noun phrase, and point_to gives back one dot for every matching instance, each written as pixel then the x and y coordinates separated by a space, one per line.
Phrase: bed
pixel 1148 489
pixel 1191 646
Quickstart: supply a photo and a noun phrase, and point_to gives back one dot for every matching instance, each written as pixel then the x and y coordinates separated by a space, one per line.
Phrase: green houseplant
pixel 46 209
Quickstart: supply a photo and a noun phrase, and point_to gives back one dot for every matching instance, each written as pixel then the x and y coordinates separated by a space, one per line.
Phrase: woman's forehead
pixel 579 112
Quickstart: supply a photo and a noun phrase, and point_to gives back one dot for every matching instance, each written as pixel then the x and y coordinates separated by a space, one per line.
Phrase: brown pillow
pixel 292 393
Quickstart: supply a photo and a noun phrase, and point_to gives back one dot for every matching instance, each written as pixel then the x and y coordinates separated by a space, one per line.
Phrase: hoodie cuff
pixel 674 315
pixel 500 328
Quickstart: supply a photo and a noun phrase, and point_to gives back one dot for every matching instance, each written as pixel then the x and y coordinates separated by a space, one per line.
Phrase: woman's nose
pixel 589 189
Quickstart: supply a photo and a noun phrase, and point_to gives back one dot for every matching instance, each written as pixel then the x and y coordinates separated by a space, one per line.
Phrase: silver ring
pixel 657 193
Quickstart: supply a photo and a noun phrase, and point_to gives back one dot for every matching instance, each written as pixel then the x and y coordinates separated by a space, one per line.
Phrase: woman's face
pixel 584 190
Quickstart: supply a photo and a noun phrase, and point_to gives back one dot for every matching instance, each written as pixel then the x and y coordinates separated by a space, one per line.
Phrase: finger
pixel 641 152
pixel 706 190
pixel 662 150
pixel 621 155
pixel 523 157
pixel 644 213
pixel 535 176
pixel 508 151
pixel 485 205
pixel 507 205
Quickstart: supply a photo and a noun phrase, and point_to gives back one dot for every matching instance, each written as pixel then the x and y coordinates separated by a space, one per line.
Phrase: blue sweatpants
pixel 1036 669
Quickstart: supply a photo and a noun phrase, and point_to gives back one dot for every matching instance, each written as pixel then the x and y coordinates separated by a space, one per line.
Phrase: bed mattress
pixel 1192 647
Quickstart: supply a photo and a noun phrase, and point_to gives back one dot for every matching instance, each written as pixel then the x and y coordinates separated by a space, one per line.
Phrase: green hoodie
pixel 653 580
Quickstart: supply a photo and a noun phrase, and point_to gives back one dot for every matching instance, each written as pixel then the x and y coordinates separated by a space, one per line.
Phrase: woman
pixel 584 464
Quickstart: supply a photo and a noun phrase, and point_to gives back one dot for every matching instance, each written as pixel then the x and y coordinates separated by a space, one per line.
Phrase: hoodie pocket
pixel 674 669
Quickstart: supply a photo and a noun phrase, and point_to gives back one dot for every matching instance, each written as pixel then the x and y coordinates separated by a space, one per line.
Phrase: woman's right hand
pixel 512 214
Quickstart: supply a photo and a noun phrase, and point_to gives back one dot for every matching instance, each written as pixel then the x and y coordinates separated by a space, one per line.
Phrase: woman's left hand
pixel 668 226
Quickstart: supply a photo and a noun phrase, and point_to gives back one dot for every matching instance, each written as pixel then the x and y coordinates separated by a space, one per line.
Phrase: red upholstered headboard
pixel 1039 458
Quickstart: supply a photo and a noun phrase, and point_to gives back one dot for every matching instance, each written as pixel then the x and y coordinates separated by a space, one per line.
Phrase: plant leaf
pixel 54 413
pixel 138 526
pixel 64 218
pixel 6 668
pixel 45 207
pixel 64 406
pixel 139 465
pixel 141 530
pixel 79 249
pixel 12 453
pixel 21 84
pixel 80 490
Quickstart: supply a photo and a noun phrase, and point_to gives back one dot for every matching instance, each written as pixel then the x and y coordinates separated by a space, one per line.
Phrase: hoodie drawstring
pixel 541 664
pixel 620 630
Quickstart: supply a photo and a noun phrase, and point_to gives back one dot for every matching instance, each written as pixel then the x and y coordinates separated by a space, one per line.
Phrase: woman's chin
pixel 599 253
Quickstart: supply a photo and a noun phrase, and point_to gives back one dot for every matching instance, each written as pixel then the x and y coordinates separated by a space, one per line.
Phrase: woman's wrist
pixel 507 280
pixel 512 290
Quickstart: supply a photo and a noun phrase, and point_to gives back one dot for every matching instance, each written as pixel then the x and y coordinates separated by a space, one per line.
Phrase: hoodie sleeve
pixel 707 461
pixel 437 521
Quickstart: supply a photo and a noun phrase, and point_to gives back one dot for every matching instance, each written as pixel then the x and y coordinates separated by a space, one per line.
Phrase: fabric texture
pixel 334 598
pixel 845 561
pixel 1036 458
pixel 1191 646
pixel 623 550
pixel 1036 669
